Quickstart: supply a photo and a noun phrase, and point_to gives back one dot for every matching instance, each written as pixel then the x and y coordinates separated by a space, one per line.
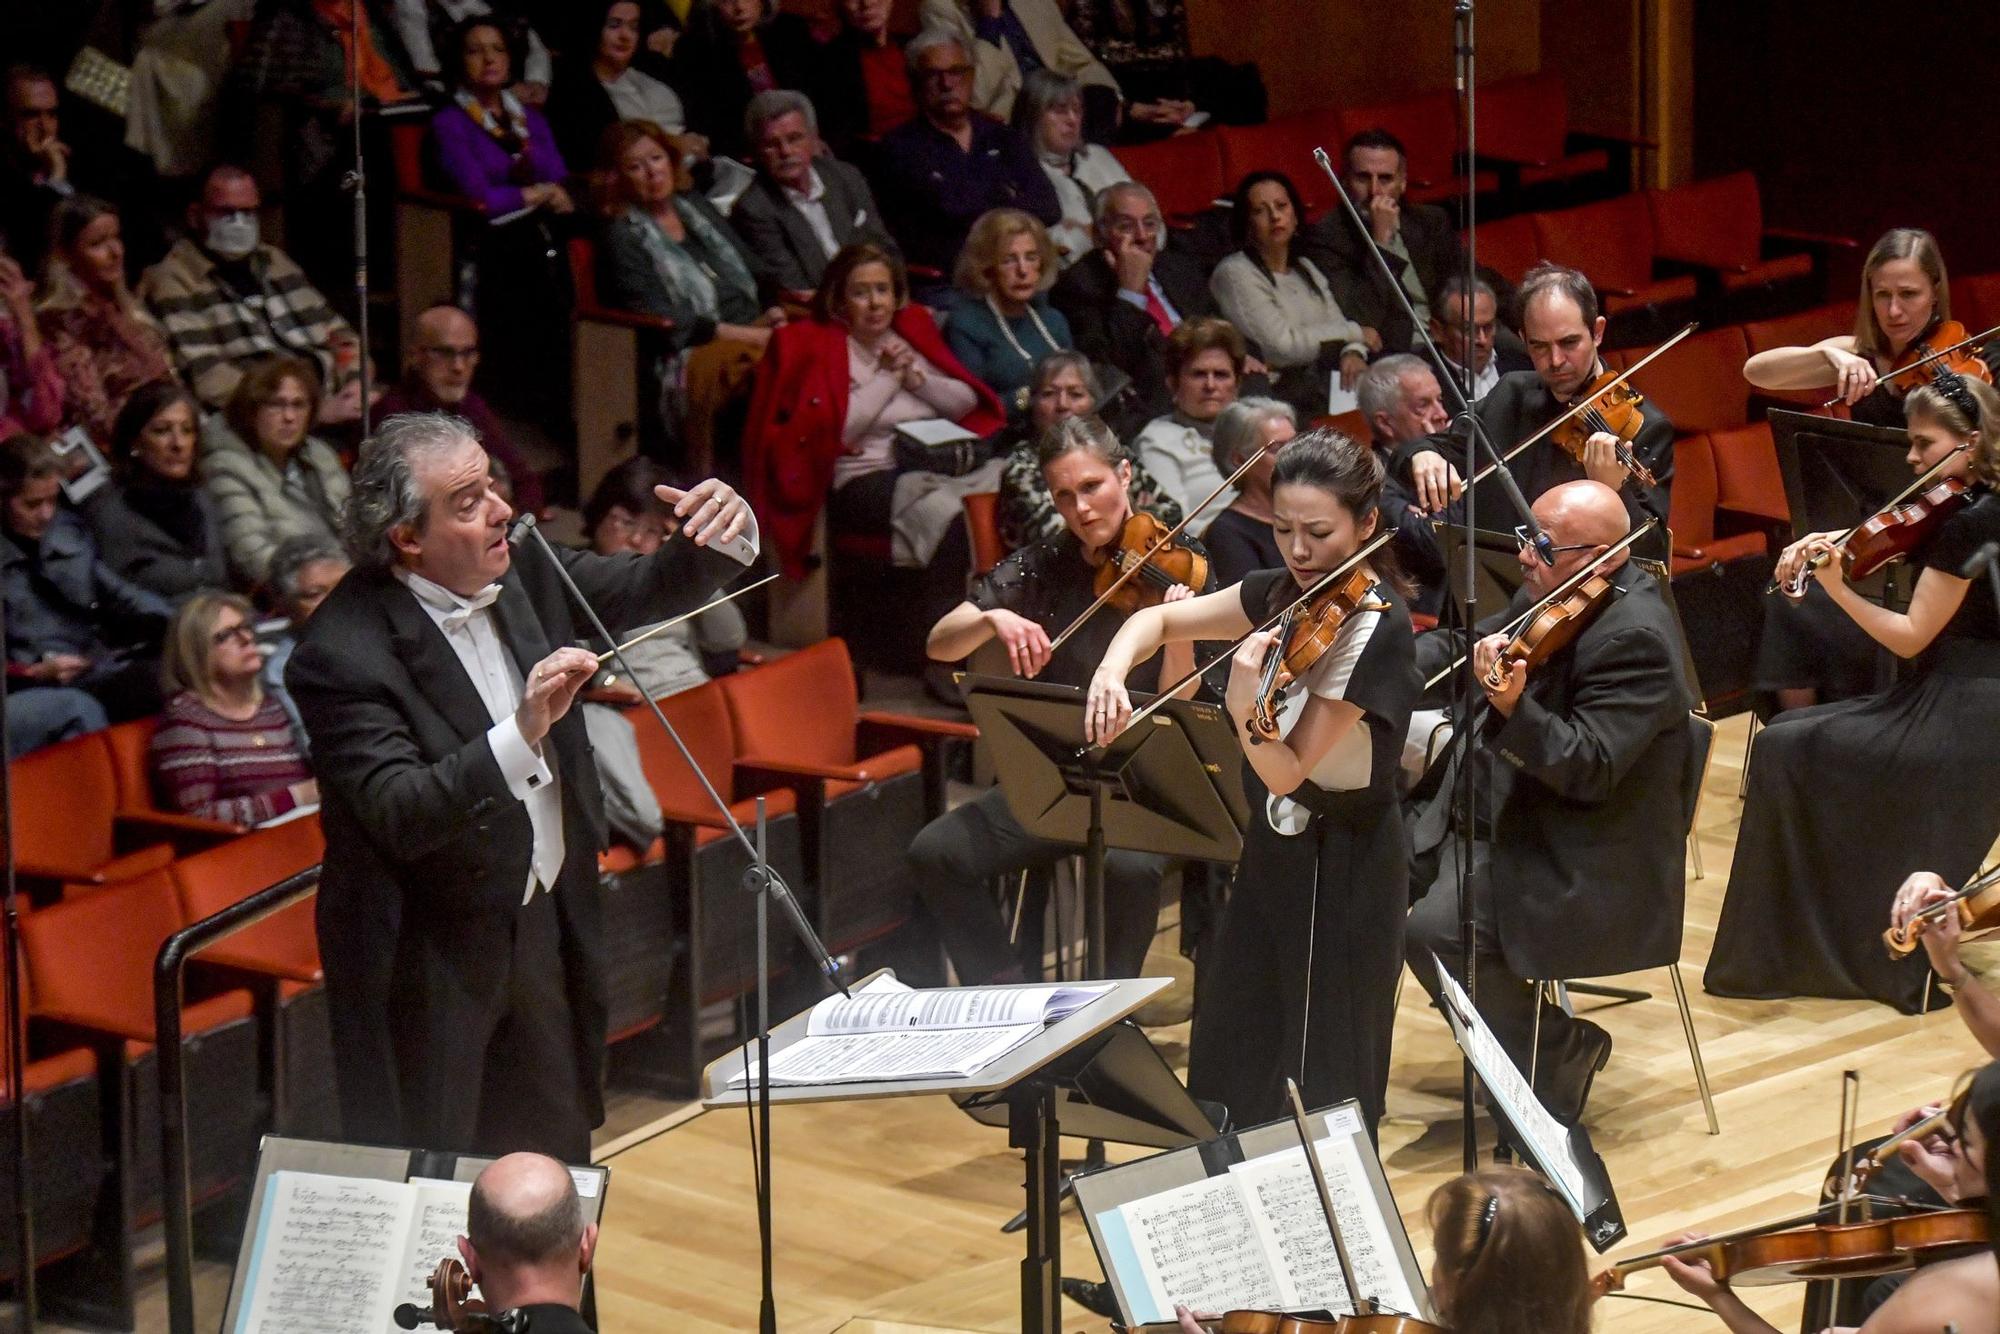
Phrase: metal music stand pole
pixel 1468 684
pixel 357 183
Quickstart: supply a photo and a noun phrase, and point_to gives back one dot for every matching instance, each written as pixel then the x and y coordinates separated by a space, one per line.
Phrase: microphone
pixel 1980 561
pixel 518 529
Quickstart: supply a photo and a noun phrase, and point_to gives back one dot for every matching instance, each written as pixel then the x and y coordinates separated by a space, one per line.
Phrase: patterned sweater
pixel 220 769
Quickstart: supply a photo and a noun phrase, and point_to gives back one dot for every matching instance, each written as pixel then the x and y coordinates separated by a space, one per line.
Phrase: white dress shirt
pixel 811 205
pixel 467 625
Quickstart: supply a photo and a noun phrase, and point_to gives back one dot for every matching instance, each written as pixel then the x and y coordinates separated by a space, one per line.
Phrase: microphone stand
pixel 357 183
pixel 760 880
pixel 17 1054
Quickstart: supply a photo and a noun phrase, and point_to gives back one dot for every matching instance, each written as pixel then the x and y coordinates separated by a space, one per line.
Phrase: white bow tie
pixel 456 618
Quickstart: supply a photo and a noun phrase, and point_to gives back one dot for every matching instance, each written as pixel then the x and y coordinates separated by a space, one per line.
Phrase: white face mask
pixel 233 235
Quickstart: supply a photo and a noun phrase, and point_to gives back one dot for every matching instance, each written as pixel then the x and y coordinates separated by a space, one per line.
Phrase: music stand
pixel 1836 474
pixel 1498 566
pixel 1089 1074
pixel 1172 785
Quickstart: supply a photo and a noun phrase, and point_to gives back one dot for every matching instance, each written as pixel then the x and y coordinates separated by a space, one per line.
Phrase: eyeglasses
pixel 240 633
pixel 1526 542
pixel 947 74
pixel 1133 226
pixel 453 353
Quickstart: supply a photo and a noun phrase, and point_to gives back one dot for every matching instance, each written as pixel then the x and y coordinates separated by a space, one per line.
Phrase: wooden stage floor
pixel 889 1212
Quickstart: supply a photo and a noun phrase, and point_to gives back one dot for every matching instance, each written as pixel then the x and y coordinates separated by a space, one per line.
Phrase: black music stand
pixel 1498 567
pixel 1836 474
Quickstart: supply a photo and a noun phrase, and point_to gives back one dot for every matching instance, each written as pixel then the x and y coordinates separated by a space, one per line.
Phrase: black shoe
pixel 1569 1084
pixel 1095 1298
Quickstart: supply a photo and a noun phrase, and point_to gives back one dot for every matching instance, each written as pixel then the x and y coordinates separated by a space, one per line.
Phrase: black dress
pixel 1847 799
pixel 1238 544
pixel 1311 943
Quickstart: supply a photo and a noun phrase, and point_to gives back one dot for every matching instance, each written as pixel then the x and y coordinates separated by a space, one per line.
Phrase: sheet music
pixel 325 1257
pixel 1286 1210
pixel 879 1009
pixel 435 1227
pixel 1196 1247
pixel 859 1057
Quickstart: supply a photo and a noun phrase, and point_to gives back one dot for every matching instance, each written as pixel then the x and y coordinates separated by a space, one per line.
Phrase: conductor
pixel 458 923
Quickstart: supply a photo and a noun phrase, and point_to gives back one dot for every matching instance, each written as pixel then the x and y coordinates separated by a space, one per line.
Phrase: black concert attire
pixel 1238 544
pixel 1304 969
pixel 1416 543
pixel 955 858
pixel 466 974
pixel 1424 252
pixel 1847 799
pixel 551 1318
pixel 1577 861
pixel 1519 406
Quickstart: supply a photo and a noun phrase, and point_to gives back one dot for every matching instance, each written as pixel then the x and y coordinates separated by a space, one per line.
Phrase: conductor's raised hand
pixel 1026 642
pixel 1107 709
pixel 550 689
pixel 709 511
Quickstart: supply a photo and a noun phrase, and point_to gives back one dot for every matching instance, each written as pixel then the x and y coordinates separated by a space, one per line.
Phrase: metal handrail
pixel 167 969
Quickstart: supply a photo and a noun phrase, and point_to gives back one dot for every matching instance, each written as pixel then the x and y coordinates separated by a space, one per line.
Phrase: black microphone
pixel 1980 561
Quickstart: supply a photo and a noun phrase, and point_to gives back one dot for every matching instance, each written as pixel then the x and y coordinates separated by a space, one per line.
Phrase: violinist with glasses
pixel 1310 945
pixel 1816 866
pixel 1585 778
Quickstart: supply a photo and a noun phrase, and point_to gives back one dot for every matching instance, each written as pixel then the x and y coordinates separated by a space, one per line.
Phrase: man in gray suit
pixel 803 206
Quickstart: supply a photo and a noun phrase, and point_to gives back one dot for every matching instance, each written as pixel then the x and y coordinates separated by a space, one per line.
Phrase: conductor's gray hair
pixel 1239 429
pixel 385 493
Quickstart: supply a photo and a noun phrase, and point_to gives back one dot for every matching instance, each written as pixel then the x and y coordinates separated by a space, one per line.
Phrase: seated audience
pixel 1049 112
pixel 1064 386
pixel 73 626
pixel 1001 321
pixel 492 147
pixel 303 571
pixel 227 300
pixel 803 206
pixel 155 524
pixel 830 396
pixel 937 174
pixel 103 342
pixel 863 85
pixel 34 163
pixel 1146 49
pixel 1239 539
pixel 1400 397
pixel 224 749
pixel 733 50
pixel 439 379
pixel 1125 298
pixel 670 254
pixel 418 21
pixel 526 1243
pixel 269 477
pixel 1274 294
pixel 31 388
pixel 1204 370
pixel 1490 358
pixel 597 84
pixel 1010 38
pixel 1419 241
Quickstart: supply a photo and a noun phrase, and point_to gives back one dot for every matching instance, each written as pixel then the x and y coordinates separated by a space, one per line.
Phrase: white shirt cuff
pixel 747 544
pixel 524 770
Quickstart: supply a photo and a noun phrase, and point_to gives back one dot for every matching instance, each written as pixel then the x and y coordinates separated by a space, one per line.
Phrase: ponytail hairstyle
pixel 1329 461
pixel 1898 243
pixel 1509 1256
pixel 1963 406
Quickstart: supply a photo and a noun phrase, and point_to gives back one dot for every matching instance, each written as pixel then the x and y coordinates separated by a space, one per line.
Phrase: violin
pixel 1792 1254
pixel 452 1304
pixel 1611 405
pixel 1976 905
pixel 1894 531
pixel 1150 553
pixel 1277 1322
pixel 1305 632
pixel 1957 358
pixel 1553 628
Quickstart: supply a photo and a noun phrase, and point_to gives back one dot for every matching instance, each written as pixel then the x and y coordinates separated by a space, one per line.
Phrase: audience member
pixel 439 379
pixel 1010 39
pixel 72 624
pixel 180 72
pixel 1049 112
pixel 526 1244
pixel 31 388
pixel 1204 369
pixel 1001 321
pixel 495 149
pixel 1146 48
pixel 103 343
pixel 803 206
pixel 733 50
pixel 156 525
pixel 670 254
pixel 269 477
pixel 34 163
pixel 1239 539
pixel 1400 397
pixel 1064 385
pixel 830 396
pixel 303 571
pixel 1126 298
pixel 224 749
pixel 1418 241
pixel 597 84
pixel 227 300
pixel 1490 358
pixel 1274 294
pixel 937 174
pixel 863 85
pixel 418 21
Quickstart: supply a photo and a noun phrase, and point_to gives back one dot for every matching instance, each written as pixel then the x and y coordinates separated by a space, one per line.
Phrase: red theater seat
pixel 1698 382
pixel 1509 247
pixel 1286 145
pixel 1692 508
pixel 1524 122
pixel 1718 225
pixel 1184 172
pixel 1612 242
pixel 1747 477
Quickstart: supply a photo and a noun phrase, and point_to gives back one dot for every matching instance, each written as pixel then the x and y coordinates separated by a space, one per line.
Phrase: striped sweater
pixel 220 769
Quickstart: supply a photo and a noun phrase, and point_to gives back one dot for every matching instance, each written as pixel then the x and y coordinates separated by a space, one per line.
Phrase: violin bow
pixel 1585 571
pixel 667 625
pixel 1140 564
pixel 1355 1301
pixel 1925 479
pixel 1320 584
pixel 1984 880
pixel 1922 362
pixel 1878 1157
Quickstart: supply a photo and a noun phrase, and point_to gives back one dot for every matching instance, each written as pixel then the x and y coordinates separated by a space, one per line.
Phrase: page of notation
pixel 919 1054
pixel 326 1255
pixel 1195 1246
pixel 885 1010
pixel 1291 1224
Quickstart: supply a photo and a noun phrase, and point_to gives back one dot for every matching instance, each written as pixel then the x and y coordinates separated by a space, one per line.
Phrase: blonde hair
pixel 1509 1256
pixel 1936 405
pixel 1913 243
pixel 190 644
pixel 981 253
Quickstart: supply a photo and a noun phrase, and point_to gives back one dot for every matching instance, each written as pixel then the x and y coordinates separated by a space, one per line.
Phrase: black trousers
pixel 955 858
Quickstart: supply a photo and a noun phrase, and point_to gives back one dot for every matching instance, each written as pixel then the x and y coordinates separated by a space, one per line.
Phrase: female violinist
pixel 1846 799
pixel 1976 1006
pixel 1302 981
pixel 1024 604
pixel 1960 1294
